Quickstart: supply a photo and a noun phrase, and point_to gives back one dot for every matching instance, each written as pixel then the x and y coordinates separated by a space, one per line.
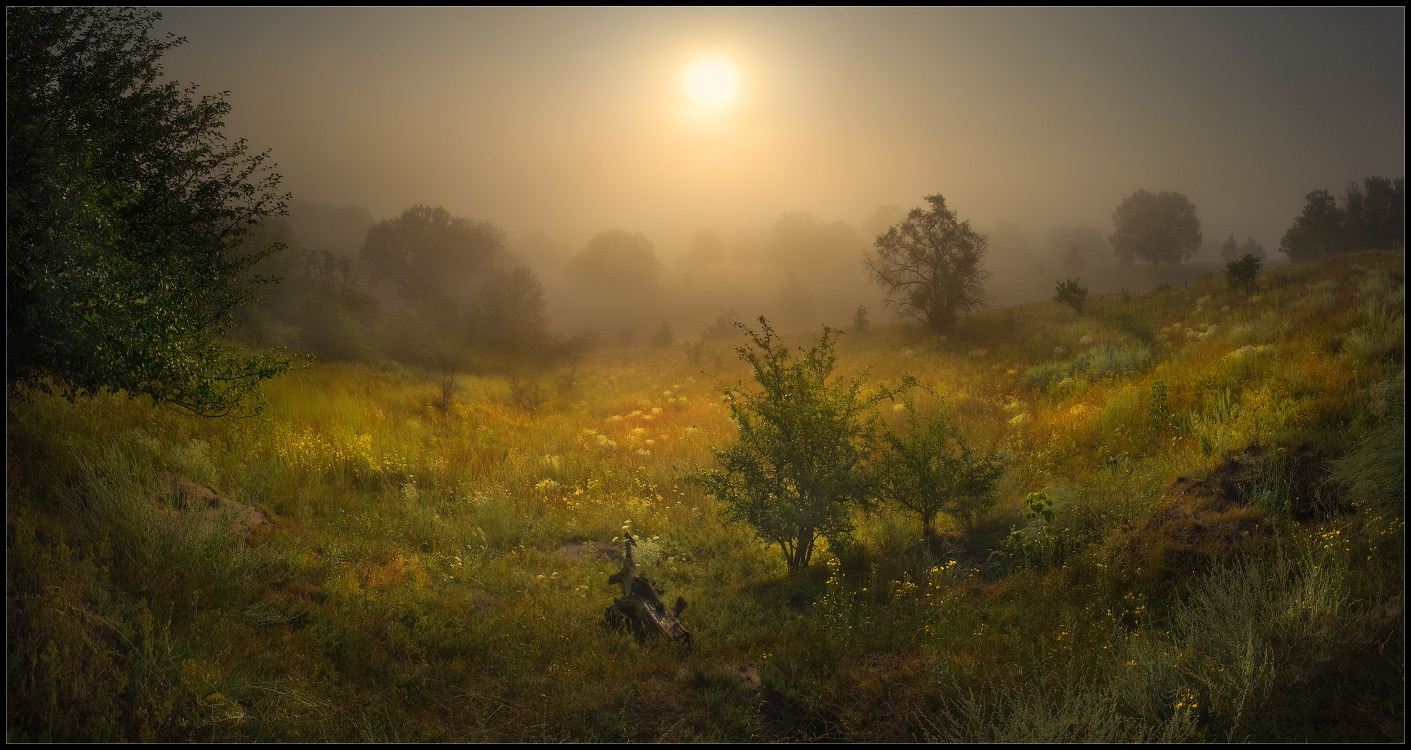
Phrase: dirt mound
pixel 1291 475
pixel 186 503
pixel 1223 513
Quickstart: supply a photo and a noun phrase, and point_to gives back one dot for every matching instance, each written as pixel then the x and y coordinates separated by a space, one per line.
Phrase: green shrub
pixel 1069 292
pixel 929 469
pixel 798 467
pixel 1242 274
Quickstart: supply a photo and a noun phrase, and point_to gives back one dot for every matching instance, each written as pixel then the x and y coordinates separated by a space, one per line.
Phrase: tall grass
pixel 440 574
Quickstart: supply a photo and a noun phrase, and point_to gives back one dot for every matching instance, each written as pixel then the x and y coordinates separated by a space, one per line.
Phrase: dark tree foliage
pixel 1317 232
pixel 1241 274
pixel 428 253
pixel 508 315
pixel 617 259
pixel 1077 248
pixel 1073 259
pixel 1251 246
pixel 663 336
pixel 1376 214
pixel 1071 293
pixel 860 321
pixel 1231 249
pixel 125 211
pixel 799 466
pixel 929 266
pixel 929 469
pixel 1155 228
pixel 1373 217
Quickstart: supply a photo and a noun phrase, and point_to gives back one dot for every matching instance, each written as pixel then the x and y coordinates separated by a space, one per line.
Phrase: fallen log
pixel 641 609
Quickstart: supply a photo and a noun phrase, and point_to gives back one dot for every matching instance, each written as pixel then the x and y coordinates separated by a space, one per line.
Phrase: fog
pixel 558 125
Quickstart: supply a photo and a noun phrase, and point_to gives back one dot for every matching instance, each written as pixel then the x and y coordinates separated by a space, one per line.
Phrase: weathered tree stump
pixel 641 609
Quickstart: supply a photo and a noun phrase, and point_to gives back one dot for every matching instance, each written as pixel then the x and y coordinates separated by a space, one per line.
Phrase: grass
pixel 419 583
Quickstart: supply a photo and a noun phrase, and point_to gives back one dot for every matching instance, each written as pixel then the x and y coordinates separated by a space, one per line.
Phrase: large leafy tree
pixel 799 465
pixel 619 261
pixel 432 256
pixel 125 210
pixel 1155 228
pixel 930 266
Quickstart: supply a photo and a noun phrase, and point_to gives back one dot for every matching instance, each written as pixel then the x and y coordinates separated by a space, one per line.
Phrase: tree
pixel 507 315
pixel 1373 216
pixel 617 260
pixel 1091 248
pixel 1380 218
pixel 1241 274
pixel 429 254
pixel 859 319
pixel 1156 228
pixel 1073 260
pixel 1230 250
pixel 928 469
pixel 663 336
pixel 125 212
pixel 1072 294
pixel 1317 231
pixel 799 464
pixel 1251 246
pixel 929 266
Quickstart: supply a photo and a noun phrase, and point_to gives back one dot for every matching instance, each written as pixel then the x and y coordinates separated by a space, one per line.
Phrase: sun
pixel 711 83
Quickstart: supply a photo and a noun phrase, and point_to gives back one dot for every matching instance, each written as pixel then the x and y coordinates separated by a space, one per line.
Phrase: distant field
pixel 1226 560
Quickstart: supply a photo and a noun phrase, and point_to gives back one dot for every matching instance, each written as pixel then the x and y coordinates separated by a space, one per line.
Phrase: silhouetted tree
pixel 507 314
pixel 1092 248
pixel 929 266
pixel 126 208
pixel 427 252
pixel 1073 260
pixel 1253 247
pixel 1231 249
pixel 663 336
pixel 1072 294
pixel 1156 228
pixel 859 319
pixel 1241 274
pixel 1318 231
pixel 617 259
pixel 1376 213
pixel 882 219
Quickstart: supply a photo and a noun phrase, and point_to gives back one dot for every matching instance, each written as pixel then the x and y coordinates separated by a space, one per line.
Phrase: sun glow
pixel 711 83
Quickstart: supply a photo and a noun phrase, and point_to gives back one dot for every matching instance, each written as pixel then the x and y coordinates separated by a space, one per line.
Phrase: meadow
pixel 1224 561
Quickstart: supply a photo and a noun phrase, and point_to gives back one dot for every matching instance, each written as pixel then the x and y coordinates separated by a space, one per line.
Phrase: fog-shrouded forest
pixel 714 374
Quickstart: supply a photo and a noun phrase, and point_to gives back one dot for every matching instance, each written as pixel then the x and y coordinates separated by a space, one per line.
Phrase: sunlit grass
pixel 419 582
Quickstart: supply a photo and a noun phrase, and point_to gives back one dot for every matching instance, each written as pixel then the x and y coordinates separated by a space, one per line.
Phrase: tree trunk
pixel 640 609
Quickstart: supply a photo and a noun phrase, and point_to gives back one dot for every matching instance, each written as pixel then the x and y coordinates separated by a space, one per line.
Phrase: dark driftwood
pixel 641 609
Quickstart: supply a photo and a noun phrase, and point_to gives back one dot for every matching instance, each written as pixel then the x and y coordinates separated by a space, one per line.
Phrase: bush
pixel 798 467
pixel 929 470
pixel 1241 274
pixel 1072 294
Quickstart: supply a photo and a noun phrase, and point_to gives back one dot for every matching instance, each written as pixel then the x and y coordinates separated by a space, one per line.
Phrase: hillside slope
pixel 1225 559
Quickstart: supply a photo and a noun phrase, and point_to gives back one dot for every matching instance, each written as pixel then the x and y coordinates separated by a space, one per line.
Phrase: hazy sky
pixel 570 121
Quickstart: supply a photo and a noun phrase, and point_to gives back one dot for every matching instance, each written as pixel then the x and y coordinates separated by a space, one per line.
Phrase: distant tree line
pixel 427 288
pixel 1372 217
